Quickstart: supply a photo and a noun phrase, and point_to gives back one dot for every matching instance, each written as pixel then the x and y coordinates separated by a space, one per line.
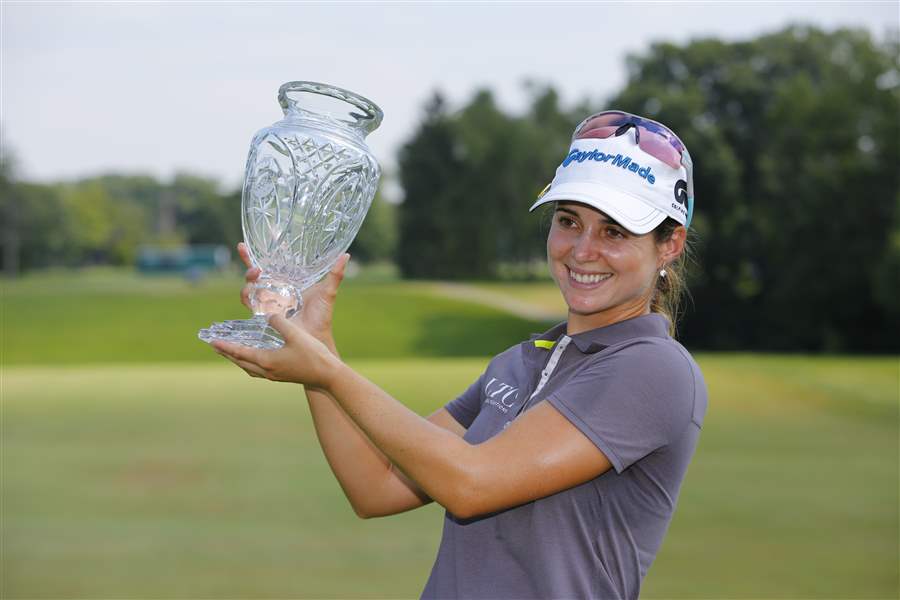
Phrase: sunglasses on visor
pixel 654 138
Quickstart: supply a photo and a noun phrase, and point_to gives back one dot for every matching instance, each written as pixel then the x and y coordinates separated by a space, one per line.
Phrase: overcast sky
pixel 156 88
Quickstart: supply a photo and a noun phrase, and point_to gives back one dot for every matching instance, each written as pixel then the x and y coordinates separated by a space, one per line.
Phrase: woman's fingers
pixel 252 274
pixel 239 352
pixel 285 327
pixel 336 274
pixel 244 253
pixel 248 288
pixel 251 369
pixel 327 288
pixel 302 359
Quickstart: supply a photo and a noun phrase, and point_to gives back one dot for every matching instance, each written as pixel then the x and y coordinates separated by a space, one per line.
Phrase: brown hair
pixel 670 291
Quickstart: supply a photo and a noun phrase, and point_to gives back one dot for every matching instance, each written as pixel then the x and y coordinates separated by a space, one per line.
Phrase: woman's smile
pixel 587 280
pixel 605 272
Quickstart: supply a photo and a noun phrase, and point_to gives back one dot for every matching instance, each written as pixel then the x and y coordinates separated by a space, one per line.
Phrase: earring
pixel 662 273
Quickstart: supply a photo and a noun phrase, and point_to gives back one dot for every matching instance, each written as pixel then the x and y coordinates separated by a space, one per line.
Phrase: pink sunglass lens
pixel 598 132
pixel 605 125
pixel 660 148
pixel 607 119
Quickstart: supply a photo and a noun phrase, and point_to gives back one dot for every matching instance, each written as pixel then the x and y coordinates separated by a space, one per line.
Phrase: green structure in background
pixel 191 261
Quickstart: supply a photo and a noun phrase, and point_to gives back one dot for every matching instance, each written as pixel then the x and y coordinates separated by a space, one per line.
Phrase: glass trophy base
pixel 254 332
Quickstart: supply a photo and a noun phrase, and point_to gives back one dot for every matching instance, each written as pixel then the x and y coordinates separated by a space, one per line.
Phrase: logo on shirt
pixel 500 395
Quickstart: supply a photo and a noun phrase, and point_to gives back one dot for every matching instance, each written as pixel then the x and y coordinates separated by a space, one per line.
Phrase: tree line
pixel 794 137
pixel 105 220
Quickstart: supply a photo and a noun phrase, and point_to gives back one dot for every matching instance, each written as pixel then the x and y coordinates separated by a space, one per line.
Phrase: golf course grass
pixel 112 317
pixel 139 468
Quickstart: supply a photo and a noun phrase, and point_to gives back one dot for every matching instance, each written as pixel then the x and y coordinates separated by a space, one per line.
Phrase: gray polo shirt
pixel 640 398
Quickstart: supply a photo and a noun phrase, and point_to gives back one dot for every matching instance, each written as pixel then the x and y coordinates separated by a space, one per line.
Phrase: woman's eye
pixel 614 233
pixel 565 221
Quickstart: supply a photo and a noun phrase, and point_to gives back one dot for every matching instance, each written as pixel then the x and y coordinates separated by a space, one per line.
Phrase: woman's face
pixel 605 273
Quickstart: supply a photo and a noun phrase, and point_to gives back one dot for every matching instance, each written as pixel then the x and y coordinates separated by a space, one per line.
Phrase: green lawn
pixel 543 293
pixel 126 476
pixel 195 481
pixel 106 317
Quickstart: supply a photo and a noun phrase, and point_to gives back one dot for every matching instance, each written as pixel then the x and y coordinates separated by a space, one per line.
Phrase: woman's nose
pixel 587 247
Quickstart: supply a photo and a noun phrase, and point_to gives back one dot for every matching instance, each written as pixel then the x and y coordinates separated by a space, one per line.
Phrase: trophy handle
pixel 367 121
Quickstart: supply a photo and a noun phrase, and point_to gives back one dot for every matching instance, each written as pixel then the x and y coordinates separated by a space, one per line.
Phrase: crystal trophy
pixel 309 182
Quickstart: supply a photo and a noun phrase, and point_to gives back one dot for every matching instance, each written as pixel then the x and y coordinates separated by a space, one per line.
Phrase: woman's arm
pixel 370 481
pixel 541 453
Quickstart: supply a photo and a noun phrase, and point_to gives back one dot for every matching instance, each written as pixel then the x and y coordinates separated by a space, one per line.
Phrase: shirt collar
pixel 594 340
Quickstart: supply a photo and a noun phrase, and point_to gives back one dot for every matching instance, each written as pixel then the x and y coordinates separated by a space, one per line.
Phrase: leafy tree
pixel 41 227
pixel 469 178
pixel 887 273
pixel 202 214
pixel 99 229
pixel 103 220
pixel 10 211
pixel 794 137
pixel 429 166
pixel 377 238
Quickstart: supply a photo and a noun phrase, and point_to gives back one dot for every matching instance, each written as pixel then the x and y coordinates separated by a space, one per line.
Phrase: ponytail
pixel 671 290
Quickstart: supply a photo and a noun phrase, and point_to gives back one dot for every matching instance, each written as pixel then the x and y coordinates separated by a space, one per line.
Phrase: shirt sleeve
pixel 467 405
pixel 631 402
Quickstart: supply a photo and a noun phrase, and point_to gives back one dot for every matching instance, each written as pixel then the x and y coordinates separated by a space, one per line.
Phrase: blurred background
pixel 138 463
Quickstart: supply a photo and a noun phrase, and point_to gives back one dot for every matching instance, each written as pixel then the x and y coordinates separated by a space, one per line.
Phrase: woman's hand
pixel 251 275
pixel 318 300
pixel 302 359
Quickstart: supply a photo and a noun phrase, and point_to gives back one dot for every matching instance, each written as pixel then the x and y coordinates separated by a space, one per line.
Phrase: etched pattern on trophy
pixel 309 182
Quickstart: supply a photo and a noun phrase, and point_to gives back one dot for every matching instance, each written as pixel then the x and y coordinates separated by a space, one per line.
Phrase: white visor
pixel 616 177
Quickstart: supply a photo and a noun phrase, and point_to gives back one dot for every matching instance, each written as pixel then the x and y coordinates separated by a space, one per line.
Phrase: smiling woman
pixel 561 465
pixel 606 273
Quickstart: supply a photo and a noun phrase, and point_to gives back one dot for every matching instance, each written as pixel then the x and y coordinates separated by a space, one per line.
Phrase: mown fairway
pixel 128 477
pixel 110 317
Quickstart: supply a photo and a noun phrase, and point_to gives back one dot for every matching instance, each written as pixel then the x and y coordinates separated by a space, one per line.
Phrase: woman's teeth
pixel 596 278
